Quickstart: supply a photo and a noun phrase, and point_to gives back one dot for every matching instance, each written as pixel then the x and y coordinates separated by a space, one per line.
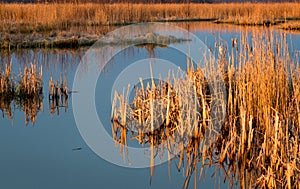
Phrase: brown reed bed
pixel 24 22
pixel 26 18
pixel 23 91
pixel 25 85
pixel 258 141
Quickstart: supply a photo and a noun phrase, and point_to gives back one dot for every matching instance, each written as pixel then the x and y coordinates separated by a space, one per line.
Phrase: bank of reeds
pixel 23 90
pixel 257 142
pixel 28 18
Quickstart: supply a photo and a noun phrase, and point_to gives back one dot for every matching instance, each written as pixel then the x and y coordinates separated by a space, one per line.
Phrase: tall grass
pixel 24 90
pixel 258 143
pixel 44 17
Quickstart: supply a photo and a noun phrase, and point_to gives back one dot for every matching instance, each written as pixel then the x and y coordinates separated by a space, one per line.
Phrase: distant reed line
pixel 43 17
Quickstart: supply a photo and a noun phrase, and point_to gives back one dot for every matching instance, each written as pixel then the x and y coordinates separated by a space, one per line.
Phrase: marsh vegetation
pixel 44 17
pixel 49 25
pixel 24 90
pixel 256 143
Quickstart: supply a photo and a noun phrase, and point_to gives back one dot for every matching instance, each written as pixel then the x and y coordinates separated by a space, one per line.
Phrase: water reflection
pixel 150 48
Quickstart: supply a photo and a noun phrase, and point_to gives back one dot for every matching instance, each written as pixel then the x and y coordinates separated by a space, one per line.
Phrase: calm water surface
pixel 50 153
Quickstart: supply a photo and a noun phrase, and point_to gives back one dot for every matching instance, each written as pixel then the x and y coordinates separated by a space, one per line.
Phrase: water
pixel 51 153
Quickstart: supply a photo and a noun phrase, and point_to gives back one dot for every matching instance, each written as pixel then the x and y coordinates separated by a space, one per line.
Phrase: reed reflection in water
pixel 24 90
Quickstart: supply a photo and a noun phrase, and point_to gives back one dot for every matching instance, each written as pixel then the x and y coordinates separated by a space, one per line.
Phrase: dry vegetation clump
pixel 58 95
pixel 24 90
pixel 25 85
pixel 258 142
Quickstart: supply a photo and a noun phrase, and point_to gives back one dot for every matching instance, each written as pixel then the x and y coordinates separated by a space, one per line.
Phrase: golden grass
pixel 24 90
pixel 29 84
pixel 258 143
pixel 26 18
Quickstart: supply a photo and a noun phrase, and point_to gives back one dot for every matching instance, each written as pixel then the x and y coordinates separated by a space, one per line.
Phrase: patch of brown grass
pixel 23 90
pixel 26 18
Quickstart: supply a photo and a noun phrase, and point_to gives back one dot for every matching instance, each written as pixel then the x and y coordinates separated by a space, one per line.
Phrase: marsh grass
pixel 28 18
pixel 25 85
pixel 24 91
pixel 39 25
pixel 257 144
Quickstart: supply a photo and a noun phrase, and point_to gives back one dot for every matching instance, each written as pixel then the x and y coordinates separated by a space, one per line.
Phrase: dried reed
pixel 24 90
pixel 257 145
pixel 27 18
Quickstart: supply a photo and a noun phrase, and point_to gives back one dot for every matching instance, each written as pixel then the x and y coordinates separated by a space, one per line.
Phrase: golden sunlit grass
pixel 24 89
pixel 29 84
pixel 43 25
pixel 26 18
pixel 258 141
